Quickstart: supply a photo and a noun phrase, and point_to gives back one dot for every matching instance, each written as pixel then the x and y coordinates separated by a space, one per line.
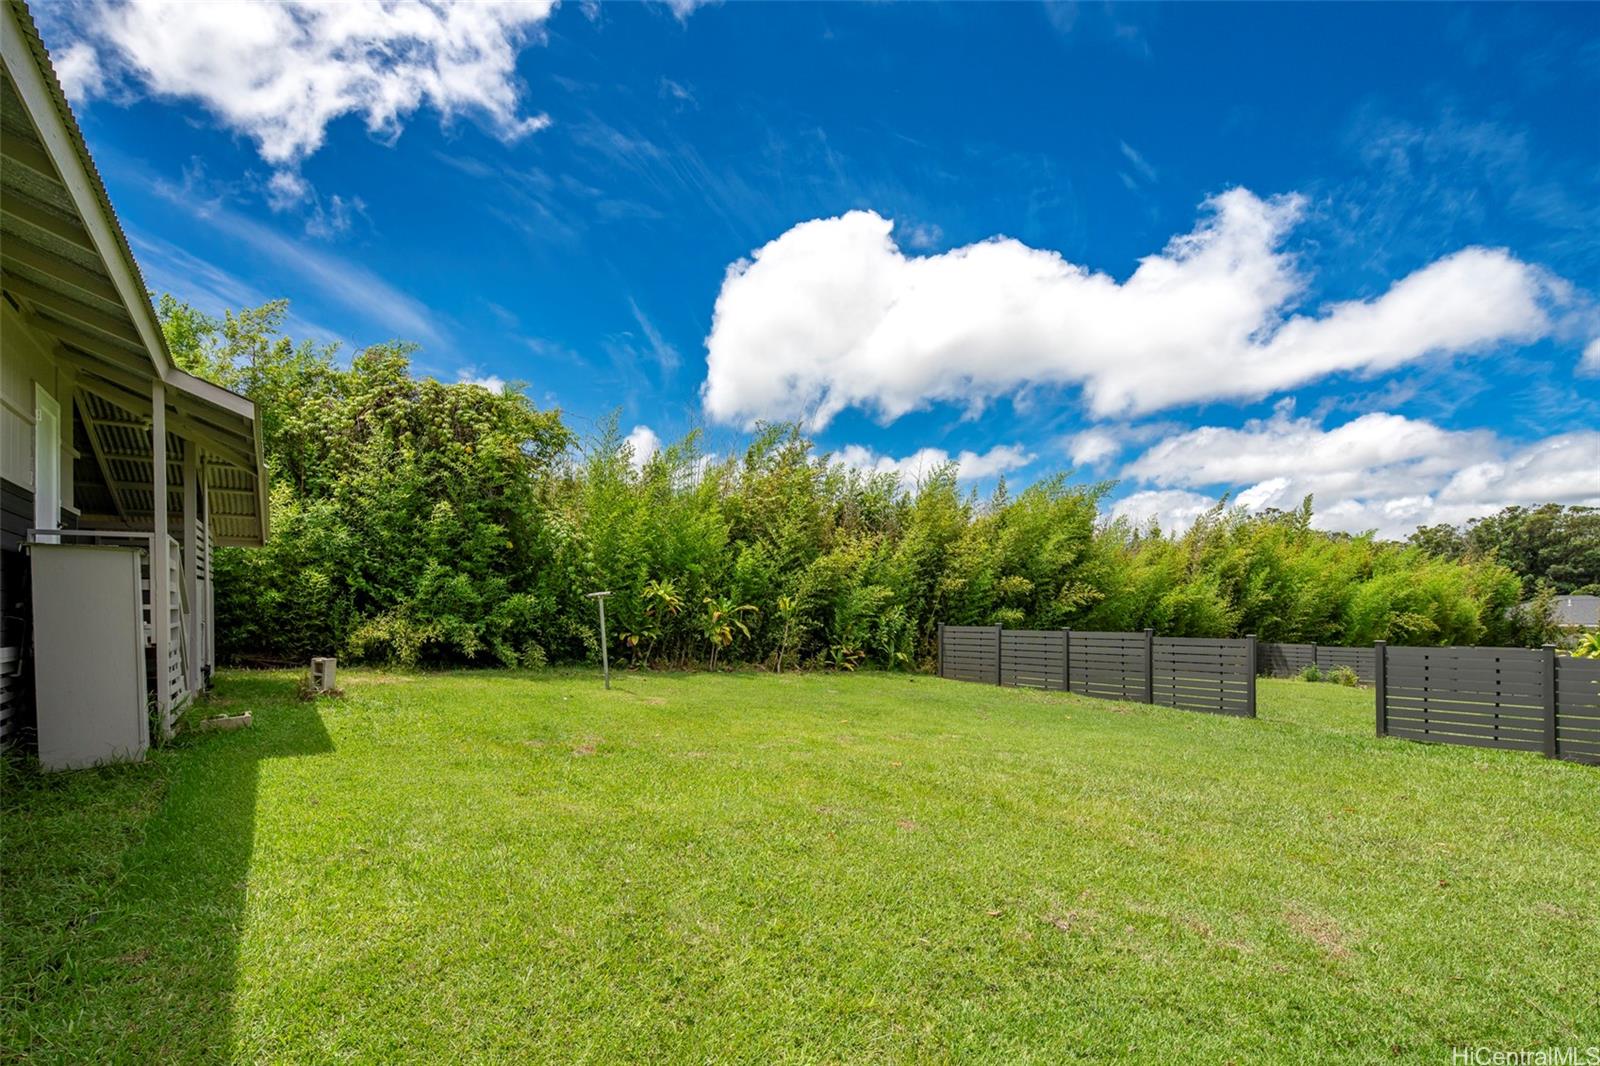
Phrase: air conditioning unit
pixel 323 671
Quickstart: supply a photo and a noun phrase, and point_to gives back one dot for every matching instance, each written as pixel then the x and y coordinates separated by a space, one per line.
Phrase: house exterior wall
pixel 25 363
pixel 16 611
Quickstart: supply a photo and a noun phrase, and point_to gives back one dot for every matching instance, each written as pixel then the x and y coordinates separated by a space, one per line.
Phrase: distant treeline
pixel 1547 546
pixel 420 522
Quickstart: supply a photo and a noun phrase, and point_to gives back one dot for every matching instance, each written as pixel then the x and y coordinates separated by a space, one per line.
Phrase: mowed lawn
pixel 522 867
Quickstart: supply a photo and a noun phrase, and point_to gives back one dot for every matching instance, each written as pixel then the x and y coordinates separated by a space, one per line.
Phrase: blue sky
pixel 1270 250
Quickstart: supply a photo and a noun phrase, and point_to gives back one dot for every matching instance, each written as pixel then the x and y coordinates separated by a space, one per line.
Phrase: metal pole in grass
pixel 1250 674
pixel 1380 684
pixel 605 659
pixel 1548 661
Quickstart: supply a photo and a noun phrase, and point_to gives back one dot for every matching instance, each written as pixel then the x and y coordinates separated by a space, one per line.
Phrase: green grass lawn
pixel 516 867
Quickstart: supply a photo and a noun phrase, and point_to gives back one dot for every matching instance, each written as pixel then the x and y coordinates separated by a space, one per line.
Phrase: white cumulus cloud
pixel 642 443
pixel 280 72
pixel 971 466
pixel 1173 509
pixel 1380 471
pixel 833 315
pixel 469 376
pixel 78 68
pixel 1092 446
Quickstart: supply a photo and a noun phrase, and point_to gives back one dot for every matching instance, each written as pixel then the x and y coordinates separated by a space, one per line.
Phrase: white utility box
pixel 89 668
pixel 324 674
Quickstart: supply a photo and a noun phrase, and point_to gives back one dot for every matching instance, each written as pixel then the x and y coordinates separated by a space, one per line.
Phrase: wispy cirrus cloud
pixel 331 277
pixel 1141 167
pixel 666 356
pixel 210 288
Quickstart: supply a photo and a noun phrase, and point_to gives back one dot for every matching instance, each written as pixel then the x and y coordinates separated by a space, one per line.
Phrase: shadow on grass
pixel 124 891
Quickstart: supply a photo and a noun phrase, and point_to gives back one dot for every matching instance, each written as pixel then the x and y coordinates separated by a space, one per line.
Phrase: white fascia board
pixel 40 100
pixel 212 393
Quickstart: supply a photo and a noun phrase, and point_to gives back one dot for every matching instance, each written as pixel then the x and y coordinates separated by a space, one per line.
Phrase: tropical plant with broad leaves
pixel 722 623
pixel 662 602
pixel 788 607
pixel 843 656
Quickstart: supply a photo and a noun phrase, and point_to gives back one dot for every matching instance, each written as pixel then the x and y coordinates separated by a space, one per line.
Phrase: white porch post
pixel 208 579
pixel 160 595
pixel 191 558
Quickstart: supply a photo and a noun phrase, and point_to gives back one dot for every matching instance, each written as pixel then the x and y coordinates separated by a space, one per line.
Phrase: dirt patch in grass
pixel 1320 930
pixel 1556 910
pixel 1072 921
pixel 588 746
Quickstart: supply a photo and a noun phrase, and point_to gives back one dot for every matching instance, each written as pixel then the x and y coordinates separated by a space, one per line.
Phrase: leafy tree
pixel 1552 543
pixel 1442 541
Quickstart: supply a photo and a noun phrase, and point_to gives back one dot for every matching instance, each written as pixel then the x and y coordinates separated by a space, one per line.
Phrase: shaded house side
pixel 104 443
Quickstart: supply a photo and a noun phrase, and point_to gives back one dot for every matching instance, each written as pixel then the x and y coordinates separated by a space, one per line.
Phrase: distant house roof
pixel 1580 611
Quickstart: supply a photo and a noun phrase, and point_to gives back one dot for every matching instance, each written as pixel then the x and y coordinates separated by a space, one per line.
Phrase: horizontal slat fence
pixel 1110 666
pixel 1201 675
pixel 1519 699
pixel 1360 660
pixel 1484 697
pixel 970 653
pixel 1033 658
pixel 1206 675
pixel 1284 660
pixel 1290 660
pixel 1578 709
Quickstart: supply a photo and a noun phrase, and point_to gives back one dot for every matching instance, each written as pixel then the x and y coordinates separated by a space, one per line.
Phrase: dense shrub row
pixel 419 522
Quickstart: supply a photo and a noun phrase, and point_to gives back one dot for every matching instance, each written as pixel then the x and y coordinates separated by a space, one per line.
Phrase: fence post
pixel 1066 660
pixel 1380 671
pixel 1149 665
pixel 1316 655
pixel 1250 677
pixel 938 655
pixel 999 653
pixel 1550 701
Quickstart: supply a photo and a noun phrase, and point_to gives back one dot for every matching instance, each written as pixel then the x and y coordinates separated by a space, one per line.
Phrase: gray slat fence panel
pixel 1578 709
pixel 1482 697
pixel 1187 672
pixel 969 653
pixel 1107 666
pixel 1285 660
pixel 1033 658
pixel 1360 660
pixel 1218 676
pixel 1290 660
